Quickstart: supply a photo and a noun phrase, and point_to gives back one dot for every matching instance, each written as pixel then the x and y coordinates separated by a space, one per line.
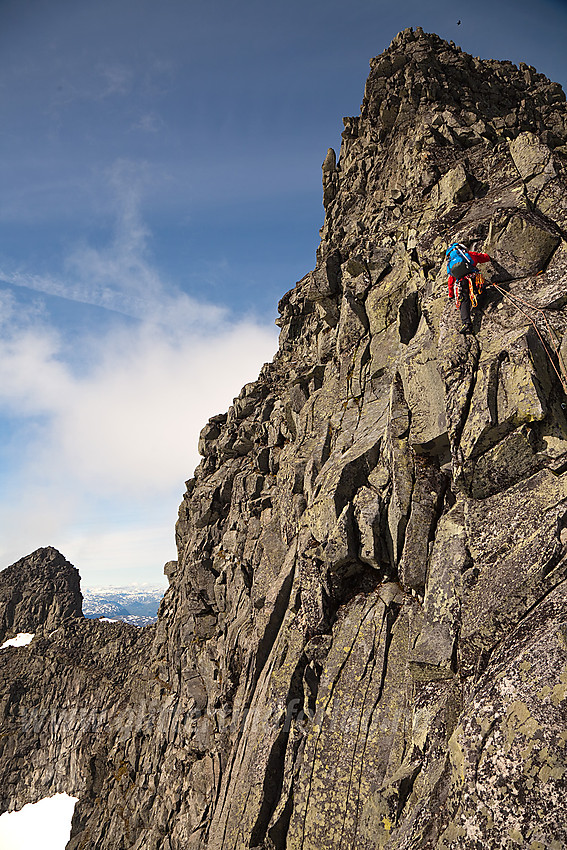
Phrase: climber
pixel 461 265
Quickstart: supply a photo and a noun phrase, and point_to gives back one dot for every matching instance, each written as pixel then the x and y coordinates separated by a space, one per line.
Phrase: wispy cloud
pixel 149 122
pixel 121 276
pixel 104 80
pixel 117 79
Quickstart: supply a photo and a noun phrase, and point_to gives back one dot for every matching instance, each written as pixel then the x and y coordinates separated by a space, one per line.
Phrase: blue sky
pixel 161 190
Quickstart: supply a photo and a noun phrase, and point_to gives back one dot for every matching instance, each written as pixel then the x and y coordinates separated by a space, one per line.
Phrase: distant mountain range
pixel 136 605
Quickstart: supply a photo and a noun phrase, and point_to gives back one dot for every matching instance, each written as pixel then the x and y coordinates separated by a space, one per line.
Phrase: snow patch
pixel 21 639
pixel 46 824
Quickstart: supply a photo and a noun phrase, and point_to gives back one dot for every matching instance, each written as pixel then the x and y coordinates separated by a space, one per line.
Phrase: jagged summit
pixel 421 74
pixel 42 589
pixel 363 642
pixel 428 106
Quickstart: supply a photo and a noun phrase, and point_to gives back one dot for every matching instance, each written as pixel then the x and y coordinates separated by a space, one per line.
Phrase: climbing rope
pixel 517 302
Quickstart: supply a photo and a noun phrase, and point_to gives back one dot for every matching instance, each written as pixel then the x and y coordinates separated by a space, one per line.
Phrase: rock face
pixel 364 642
pixel 40 589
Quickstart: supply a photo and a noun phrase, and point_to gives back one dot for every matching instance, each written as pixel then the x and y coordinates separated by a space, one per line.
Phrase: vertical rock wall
pixel 364 643
pixel 375 531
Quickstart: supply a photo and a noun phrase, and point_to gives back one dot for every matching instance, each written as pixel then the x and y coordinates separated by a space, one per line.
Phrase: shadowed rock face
pixel 364 642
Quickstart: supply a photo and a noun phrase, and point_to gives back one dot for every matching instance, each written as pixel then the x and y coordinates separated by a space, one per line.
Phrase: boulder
pixel 521 243
pixel 529 154
pixel 453 188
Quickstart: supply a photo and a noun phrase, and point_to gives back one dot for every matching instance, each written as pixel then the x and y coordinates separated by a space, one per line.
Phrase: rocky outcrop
pixel 364 641
pixel 42 589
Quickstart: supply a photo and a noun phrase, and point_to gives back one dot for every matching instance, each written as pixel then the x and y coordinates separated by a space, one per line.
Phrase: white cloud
pixel 123 434
pixel 135 415
pixel 127 555
pixel 107 441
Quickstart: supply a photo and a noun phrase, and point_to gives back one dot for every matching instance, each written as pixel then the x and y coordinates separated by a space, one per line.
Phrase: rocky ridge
pixel 364 641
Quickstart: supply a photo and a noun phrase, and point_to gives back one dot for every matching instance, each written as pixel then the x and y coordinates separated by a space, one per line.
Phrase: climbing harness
pixel 476 284
pixel 555 343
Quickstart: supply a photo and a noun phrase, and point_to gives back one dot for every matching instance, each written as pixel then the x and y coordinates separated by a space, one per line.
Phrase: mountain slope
pixel 364 641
